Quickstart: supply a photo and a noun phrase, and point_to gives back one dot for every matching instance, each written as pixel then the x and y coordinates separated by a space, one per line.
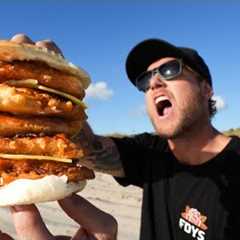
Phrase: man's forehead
pixel 159 62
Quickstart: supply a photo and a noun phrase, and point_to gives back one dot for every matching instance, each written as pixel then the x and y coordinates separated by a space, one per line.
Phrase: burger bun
pixel 27 191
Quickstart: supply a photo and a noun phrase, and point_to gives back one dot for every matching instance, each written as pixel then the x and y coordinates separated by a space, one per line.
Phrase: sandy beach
pixel 124 203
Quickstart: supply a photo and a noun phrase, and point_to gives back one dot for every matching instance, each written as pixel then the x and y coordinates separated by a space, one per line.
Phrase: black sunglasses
pixel 167 71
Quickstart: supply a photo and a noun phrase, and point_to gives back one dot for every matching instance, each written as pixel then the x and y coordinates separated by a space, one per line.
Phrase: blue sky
pixel 97 35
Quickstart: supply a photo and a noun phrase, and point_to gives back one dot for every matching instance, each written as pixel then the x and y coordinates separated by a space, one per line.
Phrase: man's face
pixel 179 105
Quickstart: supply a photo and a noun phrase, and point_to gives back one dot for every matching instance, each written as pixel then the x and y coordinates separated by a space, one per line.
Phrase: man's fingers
pixel 4 236
pixel 21 38
pixel 88 216
pixel 50 45
pixel 29 224
pixel 62 238
pixel 82 211
pixel 80 234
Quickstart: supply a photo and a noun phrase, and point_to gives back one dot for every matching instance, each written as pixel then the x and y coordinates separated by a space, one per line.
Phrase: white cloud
pixel 99 91
pixel 220 103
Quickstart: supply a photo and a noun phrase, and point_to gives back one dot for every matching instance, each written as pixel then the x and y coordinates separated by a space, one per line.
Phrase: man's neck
pixel 200 147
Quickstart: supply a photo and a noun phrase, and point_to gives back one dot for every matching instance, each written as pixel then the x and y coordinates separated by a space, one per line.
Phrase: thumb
pixel 29 224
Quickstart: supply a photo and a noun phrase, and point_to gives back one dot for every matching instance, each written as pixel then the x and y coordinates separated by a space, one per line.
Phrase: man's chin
pixel 169 132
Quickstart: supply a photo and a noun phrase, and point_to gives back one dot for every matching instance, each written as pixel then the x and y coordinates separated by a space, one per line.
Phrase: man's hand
pixel 94 223
pixel 100 153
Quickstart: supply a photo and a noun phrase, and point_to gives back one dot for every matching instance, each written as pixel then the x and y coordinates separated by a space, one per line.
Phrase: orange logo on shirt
pixel 195 217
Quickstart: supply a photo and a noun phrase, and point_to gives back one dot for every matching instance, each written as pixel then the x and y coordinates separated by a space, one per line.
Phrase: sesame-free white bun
pixel 10 51
pixel 27 191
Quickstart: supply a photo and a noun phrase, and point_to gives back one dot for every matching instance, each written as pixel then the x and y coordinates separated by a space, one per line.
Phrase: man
pixel 188 170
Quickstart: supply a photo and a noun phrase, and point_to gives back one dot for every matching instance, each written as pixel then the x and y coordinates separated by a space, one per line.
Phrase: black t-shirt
pixel 179 201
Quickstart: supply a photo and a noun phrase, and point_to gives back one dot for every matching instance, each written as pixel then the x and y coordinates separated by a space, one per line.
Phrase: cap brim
pixel 147 52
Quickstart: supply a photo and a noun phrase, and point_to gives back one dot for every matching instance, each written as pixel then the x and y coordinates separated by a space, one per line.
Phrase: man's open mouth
pixel 164 106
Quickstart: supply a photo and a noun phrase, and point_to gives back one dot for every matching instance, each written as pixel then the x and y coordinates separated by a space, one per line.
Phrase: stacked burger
pixel 41 110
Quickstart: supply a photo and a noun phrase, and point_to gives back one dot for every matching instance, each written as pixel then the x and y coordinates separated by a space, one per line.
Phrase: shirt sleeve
pixel 135 154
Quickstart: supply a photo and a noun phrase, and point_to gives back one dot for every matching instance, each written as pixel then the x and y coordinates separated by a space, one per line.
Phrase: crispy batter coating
pixel 11 170
pixel 27 101
pixel 50 77
pixel 56 146
pixel 17 125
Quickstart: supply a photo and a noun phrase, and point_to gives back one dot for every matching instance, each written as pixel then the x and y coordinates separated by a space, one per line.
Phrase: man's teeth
pixel 159 99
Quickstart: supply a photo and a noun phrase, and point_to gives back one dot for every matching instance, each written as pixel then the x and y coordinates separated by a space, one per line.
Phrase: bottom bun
pixel 27 191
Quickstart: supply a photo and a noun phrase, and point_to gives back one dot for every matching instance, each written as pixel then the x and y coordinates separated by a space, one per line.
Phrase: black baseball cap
pixel 151 50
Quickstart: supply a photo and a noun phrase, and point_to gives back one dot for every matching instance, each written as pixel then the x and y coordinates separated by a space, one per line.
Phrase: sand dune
pixel 123 203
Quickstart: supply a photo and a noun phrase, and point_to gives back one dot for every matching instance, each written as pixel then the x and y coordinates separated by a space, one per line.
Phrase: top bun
pixel 10 51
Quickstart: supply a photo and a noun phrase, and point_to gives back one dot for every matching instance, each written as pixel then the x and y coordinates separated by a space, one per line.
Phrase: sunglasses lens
pixel 142 82
pixel 167 71
pixel 170 69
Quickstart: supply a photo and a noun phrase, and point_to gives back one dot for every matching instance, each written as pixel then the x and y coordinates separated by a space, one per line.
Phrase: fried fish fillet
pixel 56 146
pixel 47 76
pixel 27 101
pixel 18 125
pixel 11 170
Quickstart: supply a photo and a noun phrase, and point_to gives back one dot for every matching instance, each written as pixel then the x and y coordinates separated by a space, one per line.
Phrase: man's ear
pixel 208 91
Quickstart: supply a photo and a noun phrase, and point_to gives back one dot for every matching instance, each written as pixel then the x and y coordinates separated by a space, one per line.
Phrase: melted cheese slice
pixel 34 157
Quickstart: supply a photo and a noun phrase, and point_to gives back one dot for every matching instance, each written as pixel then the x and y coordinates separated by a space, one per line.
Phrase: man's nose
pixel 156 81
